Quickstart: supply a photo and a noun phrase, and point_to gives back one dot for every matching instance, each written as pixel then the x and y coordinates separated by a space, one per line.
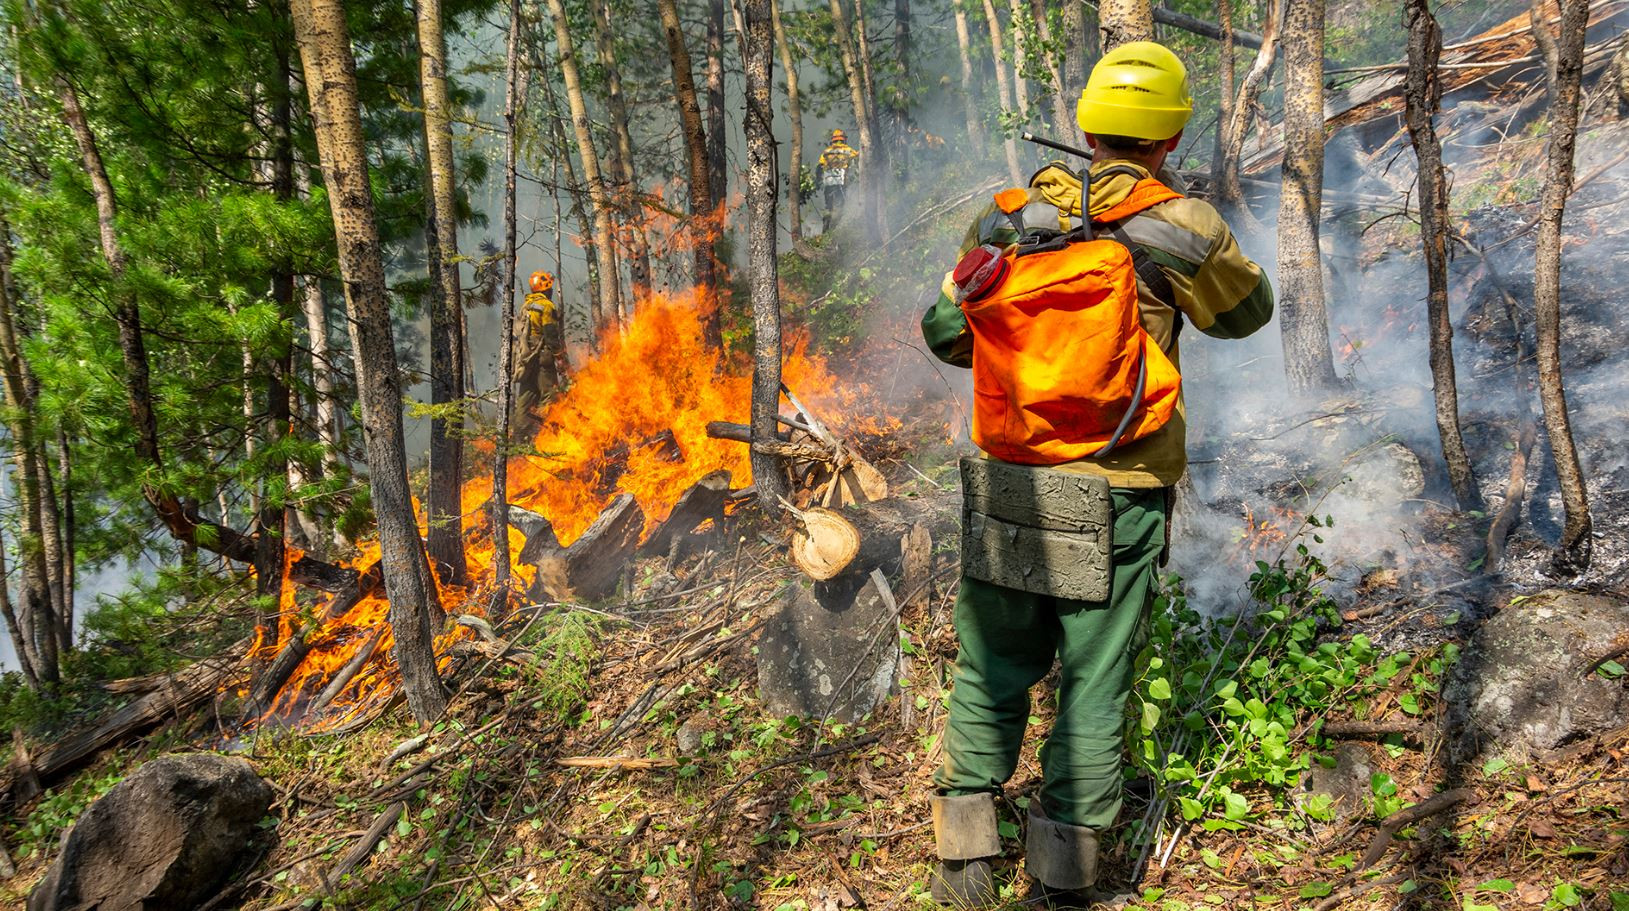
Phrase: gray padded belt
pixel 1060 856
pixel 964 828
pixel 1038 530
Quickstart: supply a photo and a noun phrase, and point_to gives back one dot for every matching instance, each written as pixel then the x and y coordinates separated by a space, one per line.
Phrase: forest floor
pixel 687 793
pixel 622 758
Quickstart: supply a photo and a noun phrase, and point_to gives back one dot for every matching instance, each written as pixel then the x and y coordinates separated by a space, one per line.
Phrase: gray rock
pixel 831 652
pixel 1523 684
pixel 688 737
pixel 165 839
pixel 1347 783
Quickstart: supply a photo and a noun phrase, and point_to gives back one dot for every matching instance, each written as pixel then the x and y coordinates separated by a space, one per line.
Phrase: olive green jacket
pixel 1216 288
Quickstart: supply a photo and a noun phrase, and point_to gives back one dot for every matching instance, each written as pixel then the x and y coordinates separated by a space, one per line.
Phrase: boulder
pixel 831 652
pixel 1526 682
pixel 165 839
pixel 1347 783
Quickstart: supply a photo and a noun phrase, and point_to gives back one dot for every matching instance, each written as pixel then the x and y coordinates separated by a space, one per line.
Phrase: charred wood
pixel 591 565
pixel 704 500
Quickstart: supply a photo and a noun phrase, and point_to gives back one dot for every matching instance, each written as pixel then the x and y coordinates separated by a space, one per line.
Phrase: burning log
pixel 316 574
pixel 182 693
pixel 665 445
pixel 347 673
pixel 704 500
pixel 293 653
pixel 590 566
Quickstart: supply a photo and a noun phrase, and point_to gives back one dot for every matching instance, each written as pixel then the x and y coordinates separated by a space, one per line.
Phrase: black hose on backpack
pixel 1136 400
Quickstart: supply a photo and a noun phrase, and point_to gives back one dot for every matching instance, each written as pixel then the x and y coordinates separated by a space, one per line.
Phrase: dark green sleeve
pixel 944 328
pixel 1248 315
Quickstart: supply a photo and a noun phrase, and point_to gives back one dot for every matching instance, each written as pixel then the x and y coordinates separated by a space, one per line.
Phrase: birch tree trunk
pixel 35 621
pixel 695 144
pixel 581 210
pixel 794 112
pixel 446 526
pixel 1003 90
pixel 330 77
pixel 766 305
pixel 622 162
pixel 604 228
pixel 1120 21
pixel 22 638
pixel 1573 554
pixel 970 110
pixel 1422 95
pixel 1308 361
pixel 1023 39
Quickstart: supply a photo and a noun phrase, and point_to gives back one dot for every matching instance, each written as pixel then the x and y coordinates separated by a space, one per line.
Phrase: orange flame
pixel 633 420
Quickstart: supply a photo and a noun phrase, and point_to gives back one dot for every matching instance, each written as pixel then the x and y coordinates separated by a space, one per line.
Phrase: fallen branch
pixel 1362 729
pixel 617 763
pixel 183 692
pixel 1407 817
pixel 1515 493
pixel 363 848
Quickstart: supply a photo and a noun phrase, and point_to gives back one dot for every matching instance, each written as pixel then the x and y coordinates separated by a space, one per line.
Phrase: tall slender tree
pixel 330 77
pixel 1074 66
pixel 1308 360
pixel 33 621
pixel 1574 552
pixel 593 178
pixel 717 141
pixel 506 351
pixel 695 145
pixel 1004 93
pixel 445 513
pixel 794 113
pixel 757 55
pixel 868 164
pixel 1235 123
pixel 970 110
pixel 1423 93
pixel 627 194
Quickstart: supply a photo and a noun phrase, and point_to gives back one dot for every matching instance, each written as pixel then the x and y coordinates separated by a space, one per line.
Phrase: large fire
pixel 633 420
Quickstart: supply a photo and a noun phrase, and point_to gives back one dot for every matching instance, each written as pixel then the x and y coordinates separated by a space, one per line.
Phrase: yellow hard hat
pixel 1140 90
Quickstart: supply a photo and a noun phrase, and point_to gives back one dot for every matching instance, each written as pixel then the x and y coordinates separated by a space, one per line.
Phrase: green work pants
pixel 1009 639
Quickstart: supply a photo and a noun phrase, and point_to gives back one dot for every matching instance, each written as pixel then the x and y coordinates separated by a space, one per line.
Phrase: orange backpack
pixel 1062 367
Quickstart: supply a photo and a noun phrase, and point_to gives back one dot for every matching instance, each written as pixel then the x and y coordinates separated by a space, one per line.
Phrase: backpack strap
pixel 1147 194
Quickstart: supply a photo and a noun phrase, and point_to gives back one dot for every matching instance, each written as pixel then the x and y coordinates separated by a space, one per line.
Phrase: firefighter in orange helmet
pixel 835 164
pixel 539 353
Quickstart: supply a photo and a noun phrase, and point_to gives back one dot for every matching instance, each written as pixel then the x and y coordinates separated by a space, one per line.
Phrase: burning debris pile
pixel 634 442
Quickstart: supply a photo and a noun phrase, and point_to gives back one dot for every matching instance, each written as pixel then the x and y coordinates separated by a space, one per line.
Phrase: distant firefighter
pixel 835 164
pixel 540 352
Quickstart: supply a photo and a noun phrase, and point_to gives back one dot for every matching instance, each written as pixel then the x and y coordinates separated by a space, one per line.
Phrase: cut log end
pixel 825 544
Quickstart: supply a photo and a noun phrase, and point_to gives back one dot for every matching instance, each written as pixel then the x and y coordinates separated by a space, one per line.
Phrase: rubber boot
pixel 964 830
pixel 1062 859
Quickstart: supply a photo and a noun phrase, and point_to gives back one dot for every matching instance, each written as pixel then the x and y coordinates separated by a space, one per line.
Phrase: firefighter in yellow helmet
pixel 539 354
pixel 1020 607
pixel 836 164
